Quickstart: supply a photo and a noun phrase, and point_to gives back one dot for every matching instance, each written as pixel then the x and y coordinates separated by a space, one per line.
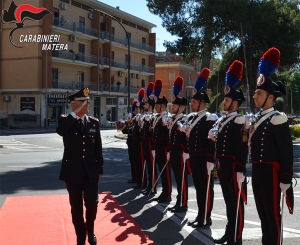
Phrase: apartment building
pixel 168 67
pixel 87 48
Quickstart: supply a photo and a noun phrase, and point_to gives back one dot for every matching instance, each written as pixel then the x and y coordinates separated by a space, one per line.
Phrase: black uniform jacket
pixel 198 140
pixel 177 138
pixel 82 150
pixel 160 136
pixel 272 142
pixel 230 143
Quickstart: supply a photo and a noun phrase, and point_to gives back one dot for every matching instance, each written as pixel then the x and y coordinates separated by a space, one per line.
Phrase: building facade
pixel 88 49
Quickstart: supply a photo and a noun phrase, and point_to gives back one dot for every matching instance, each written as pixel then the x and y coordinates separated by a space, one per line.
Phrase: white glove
pixel 284 187
pixel 211 134
pixel 185 156
pixel 209 166
pixel 168 156
pixel 181 128
pixel 240 177
pixel 247 122
pixel 147 117
pixel 153 153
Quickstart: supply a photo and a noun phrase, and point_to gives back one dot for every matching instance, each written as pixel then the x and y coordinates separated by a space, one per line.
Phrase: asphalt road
pixel 30 165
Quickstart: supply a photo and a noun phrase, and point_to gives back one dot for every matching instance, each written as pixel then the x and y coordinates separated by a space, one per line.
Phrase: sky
pixel 139 9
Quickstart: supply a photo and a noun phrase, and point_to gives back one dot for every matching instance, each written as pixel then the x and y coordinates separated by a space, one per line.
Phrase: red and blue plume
pixel 141 94
pixel 269 62
pixel 150 88
pixel 234 73
pixel 178 85
pixel 133 105
pixel 202 79
pixel 157 87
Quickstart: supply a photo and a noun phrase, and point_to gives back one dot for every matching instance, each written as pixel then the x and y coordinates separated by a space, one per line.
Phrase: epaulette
pixel 211 117
pixel 63 115
pixel 94 118
pixel 240 119
pixel 279 118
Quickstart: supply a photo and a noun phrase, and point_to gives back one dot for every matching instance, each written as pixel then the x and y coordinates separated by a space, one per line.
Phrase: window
pixel 54 78
pixel 143 40
pixel 112 79
pixel 81 24
pixel 103 26
pixel 80 83
pixel 143 83
pixel 143 61
pixel 126 81
pixel 55 17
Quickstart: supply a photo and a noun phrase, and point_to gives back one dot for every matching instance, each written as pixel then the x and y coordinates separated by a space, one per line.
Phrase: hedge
pixel 295 130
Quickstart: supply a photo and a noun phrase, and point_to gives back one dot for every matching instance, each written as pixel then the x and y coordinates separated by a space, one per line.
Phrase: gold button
pixel 83 142
pixel 262 138
pixel 83 136
pixel 66 160
pixel 260 160
pixel 83 149
pixel 224 140
pixel 82 156
pixel 261 155
pixel 222 154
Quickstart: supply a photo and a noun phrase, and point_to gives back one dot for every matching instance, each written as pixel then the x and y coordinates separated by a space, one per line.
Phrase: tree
pixel 204 27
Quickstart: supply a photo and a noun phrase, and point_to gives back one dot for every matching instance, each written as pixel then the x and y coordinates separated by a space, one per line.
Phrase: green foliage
pixel 295 130
pixel 279 104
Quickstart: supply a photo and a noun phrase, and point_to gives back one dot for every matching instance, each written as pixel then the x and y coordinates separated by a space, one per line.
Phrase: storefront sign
pixel 27 103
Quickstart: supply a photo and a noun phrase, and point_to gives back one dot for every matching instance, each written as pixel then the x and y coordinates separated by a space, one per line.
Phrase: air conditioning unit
pixel 120 73
pixel 138 76
pixel 6 98
pixel 63 5
pixel 132 75
pixel 72 38
pixel 91 16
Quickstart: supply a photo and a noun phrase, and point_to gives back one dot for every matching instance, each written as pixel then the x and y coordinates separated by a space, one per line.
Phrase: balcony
pixel 73 27
pixel 104 61
pixel 135 46
pixel 133 66
pixel 77 58
pixel 72 85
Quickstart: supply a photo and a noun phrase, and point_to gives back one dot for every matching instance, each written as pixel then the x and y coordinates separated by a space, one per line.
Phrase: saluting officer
pixel 137 143
pixel 82 164
pixel 127 127
pixel 199 122
pixel 231 152
pixel 160 140
pixel 147 140
pixel 178 148
pixel 271 150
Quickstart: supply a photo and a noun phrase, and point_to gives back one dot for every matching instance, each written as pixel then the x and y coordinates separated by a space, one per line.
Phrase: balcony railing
pixel 133 66
pixel 86 30
pixel 120 40
pixel 133 44
pixel 104 61
pixel 104 35
pixel 73 85
pixel 103 87
pixel 75 56
pixel 73 26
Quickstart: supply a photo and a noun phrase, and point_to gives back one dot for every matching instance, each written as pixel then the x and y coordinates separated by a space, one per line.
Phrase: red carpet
pixel 46 220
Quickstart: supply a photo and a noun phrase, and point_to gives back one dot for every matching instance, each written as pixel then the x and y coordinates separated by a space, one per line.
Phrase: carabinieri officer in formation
pixel 178 148
pixel 82 164
pixel 271 150
pixel 196 127
pixel 231 152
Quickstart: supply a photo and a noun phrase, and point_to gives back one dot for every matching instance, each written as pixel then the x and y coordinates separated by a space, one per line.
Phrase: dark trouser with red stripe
pixel 151 170
pixel 200 178
pixel 180 175
pixel 266 190
pixel 131 159
pixel 230 192
pixel 160 160
pixel 139 161
pixel 90 196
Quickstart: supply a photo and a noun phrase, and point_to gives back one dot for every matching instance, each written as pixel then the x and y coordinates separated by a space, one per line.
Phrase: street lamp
pixel 128 64
pixel 60 24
